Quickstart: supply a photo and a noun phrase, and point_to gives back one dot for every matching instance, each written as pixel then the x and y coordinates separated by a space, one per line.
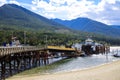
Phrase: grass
pixel 44 69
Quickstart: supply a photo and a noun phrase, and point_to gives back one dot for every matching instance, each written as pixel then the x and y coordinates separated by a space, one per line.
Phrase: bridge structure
pixel 19 58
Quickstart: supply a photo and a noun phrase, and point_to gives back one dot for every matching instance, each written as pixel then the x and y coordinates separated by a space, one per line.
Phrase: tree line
pixel 39 38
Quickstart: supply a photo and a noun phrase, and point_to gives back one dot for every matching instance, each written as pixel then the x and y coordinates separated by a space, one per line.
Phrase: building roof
pixel 88 40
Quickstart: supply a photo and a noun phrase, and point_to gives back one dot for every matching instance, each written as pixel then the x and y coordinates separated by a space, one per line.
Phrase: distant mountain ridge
pixel 89 25
pixel 12 15
pixel 115 26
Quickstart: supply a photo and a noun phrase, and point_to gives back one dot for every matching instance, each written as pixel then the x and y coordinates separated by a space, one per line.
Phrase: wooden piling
pixel 3 65
pixel 16 59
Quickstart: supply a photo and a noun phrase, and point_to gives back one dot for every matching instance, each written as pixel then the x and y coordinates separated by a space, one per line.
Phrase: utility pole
pixel 46 41
pixel 24 37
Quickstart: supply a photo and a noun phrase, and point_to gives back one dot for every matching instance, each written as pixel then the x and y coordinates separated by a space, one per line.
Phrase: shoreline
pixel 107 71
pixel 92 67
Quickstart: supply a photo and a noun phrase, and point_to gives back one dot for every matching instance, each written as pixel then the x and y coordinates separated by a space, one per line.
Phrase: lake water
pixel 86 62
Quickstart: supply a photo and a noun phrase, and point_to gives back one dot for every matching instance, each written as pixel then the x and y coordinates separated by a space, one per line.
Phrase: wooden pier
pixel 19 58
pixel 16 59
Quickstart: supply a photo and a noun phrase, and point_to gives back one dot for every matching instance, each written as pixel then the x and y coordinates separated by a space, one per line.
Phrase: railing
pixel 60 48
pixel 17 49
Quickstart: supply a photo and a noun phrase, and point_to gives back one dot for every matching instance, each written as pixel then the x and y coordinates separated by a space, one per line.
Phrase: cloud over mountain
pixel 106 11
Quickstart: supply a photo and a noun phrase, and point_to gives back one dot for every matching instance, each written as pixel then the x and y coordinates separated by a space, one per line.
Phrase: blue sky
pixel 106 11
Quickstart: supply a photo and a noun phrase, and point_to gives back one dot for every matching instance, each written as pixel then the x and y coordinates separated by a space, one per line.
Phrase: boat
pixel 83 55
pixel 116 55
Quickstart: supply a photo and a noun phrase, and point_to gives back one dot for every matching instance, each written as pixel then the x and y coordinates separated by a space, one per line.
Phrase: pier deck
pixel 19 58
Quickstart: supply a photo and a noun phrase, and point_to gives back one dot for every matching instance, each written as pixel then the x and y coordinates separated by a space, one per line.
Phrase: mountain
pixel 14 20
pixel 89 25
pixel 12 15
pixel 115 26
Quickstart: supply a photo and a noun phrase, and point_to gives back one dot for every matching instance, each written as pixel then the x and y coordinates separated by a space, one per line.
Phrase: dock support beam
pixel 3 64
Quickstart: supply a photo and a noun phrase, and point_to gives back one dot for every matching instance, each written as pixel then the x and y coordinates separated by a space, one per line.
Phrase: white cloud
pixel 2 2
pixel 106 11
pixel 110 1
pixel 110 12
pixel 68 8
pixel 14 2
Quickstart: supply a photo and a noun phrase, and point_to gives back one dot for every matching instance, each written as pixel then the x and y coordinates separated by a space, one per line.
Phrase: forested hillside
pixel 41 38
pixel 89 25
pixel 18 21
pixel 14 16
